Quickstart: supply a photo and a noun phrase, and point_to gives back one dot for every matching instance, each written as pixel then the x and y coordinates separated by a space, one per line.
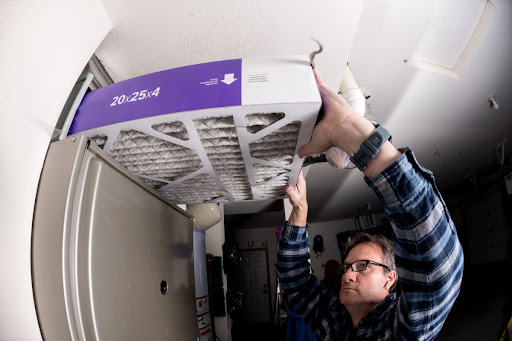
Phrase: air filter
pixel 221 131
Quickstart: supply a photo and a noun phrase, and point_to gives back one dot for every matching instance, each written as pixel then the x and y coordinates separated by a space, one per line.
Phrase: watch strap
pixel 370 147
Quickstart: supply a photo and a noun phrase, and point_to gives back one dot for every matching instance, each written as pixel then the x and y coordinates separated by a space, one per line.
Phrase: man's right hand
pixel 343 127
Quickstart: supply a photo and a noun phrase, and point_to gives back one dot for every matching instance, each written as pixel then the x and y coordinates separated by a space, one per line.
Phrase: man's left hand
pixel 297 196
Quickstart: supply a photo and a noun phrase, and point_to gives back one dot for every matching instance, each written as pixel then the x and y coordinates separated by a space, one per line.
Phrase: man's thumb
pixel 306 150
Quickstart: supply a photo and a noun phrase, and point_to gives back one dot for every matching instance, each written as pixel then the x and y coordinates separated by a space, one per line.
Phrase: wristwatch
pixel 370 147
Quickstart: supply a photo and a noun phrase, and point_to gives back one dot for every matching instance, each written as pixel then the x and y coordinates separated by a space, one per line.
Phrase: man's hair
pixel 386 246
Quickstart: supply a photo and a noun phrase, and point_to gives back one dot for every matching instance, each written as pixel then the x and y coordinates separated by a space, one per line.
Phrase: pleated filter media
pixel 220 131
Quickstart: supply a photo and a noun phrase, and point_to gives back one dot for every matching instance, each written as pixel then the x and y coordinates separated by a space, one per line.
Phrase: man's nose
pixel 349 276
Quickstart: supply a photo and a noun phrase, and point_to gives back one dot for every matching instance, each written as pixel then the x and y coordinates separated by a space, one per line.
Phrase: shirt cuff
pixel 294 233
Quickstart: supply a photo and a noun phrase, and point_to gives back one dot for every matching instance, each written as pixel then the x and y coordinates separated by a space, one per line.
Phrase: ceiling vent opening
pixel 454 35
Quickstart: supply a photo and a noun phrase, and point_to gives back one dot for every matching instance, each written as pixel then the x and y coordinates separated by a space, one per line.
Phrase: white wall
pixel 328 230
pixel 214 240
pixel 45 45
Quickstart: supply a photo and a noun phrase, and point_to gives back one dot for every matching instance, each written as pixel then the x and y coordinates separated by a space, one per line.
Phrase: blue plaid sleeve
pixel 428 254
pixel 318 306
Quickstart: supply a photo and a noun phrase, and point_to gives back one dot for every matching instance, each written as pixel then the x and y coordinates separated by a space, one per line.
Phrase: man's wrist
pixel 299 215
pixel 352 133
pixel 370 148
pixel 303 206
pixel 387 155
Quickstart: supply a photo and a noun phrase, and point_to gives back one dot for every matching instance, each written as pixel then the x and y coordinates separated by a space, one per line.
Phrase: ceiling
pixel 447 121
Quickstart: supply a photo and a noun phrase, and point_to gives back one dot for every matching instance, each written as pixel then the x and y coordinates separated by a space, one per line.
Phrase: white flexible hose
pixel 337 157
pixel 351 92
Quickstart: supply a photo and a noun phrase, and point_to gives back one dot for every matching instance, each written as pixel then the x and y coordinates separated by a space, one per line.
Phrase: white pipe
pixel 351 92
pixel 354 96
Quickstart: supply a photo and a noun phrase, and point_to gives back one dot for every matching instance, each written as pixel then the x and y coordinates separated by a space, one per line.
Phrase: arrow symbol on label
pixel 228 78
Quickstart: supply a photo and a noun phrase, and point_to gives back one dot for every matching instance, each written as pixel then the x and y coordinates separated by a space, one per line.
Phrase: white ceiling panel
pixel 151 36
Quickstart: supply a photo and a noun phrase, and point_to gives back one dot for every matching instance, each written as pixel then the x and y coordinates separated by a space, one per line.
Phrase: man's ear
pixel 391 279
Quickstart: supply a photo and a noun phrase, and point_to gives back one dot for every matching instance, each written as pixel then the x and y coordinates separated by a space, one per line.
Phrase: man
pixel 428 255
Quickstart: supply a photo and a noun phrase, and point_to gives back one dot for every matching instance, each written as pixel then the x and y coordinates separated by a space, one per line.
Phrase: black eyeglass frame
pixel 367 261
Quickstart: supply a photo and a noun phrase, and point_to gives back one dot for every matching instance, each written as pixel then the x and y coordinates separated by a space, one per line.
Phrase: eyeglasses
pixel 360 265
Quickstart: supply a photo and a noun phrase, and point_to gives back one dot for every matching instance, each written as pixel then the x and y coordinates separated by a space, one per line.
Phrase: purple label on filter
pixel 201 86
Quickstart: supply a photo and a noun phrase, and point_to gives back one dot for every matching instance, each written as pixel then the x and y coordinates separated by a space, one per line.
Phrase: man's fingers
pixel 315 146
pixel 301 183
pixel 288 189
pixel 318 77
pixel 324 90
pixel 301 176
pixel 305 150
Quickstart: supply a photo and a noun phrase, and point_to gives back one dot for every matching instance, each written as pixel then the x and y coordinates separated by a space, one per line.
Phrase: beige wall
pixel 45 46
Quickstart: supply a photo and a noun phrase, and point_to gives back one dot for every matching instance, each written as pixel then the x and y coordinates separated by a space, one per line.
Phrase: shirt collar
pixel 379 311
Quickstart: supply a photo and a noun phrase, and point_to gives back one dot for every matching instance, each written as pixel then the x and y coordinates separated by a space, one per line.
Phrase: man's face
pixel 365 287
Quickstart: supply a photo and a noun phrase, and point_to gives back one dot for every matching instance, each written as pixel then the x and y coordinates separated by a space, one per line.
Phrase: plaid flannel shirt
pixel 429 262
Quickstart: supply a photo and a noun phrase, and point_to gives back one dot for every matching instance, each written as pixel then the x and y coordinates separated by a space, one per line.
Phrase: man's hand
pixel 297 193
pixel 343 127
pixel 297 196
